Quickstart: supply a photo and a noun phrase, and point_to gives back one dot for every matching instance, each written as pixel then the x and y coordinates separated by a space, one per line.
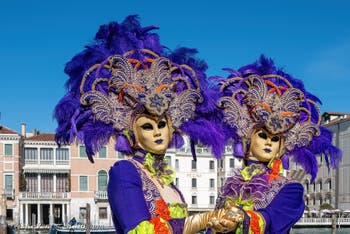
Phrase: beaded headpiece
pixel 126 72
pixel 270 101
pixel 130 86
pixel 260 96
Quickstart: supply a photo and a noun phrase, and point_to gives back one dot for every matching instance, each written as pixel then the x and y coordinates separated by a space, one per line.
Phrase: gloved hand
pixel 222 220
pixel 229 221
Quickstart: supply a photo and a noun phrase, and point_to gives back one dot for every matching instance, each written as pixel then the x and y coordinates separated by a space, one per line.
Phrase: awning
pixel 47 171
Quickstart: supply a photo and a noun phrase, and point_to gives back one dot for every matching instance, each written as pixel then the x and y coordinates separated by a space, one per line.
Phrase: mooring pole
pixel 88 221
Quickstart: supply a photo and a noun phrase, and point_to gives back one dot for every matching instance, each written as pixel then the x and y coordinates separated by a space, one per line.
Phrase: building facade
pixel 339 124
pixel 11 145
pixel 331 186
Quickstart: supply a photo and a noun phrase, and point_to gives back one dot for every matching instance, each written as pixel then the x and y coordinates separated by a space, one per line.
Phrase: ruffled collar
pixel 248 185
pixel 156 165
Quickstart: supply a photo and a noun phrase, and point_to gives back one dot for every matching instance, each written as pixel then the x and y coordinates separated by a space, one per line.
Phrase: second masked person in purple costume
pixel 126 85
pixel 269 117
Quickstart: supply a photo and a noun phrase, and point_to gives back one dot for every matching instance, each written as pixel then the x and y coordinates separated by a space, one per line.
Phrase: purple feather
pixel 122 145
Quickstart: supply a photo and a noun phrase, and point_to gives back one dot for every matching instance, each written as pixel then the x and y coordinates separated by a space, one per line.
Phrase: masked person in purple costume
pixel 269 117
pixel 126 86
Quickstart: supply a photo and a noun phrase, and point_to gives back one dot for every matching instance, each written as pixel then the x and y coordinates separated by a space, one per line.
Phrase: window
pixel 314 187
pixel 83 183
pixel 9 214
pixel 102 181
pixel 120 155
pixel 62 154
pixel 9 185
pixel 232 162
pixel 329 185
pixel 8 150
pixel 221 181
pixel 46 183
pixel 103 152
pixel 320 186
pixel 62 183
pixel 211 183
pixel 31 154
pixel 194 200
pixel 46 154
pixel 82 151
pixel 168 159
pixel 82 212
pixel 211 165
pixel 221 163
pixel 194 165
pixel 194 183
pixel 177 182
pixel 307 186
pixel 177 166
pixel 211 200
pixel 102 212
pixel 31 182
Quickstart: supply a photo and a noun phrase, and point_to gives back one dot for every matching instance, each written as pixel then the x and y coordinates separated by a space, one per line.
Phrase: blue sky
pixel 309 39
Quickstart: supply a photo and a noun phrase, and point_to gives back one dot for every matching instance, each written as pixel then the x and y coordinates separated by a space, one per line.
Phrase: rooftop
pixel 42 137
pixel 5 130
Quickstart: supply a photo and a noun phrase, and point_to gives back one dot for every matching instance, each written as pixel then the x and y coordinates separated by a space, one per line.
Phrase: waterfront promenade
pixel 322 222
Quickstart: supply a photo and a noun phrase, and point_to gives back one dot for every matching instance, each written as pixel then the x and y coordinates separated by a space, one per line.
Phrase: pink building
pixel 60 181
pixel 10 166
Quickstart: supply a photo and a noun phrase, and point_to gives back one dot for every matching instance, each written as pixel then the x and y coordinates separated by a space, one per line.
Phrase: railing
pixel 322 221
pixel 44 195
pixel 101 195
pixel 10 193
pixel 46 162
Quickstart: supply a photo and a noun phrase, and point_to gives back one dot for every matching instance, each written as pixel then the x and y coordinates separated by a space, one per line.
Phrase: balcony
pixel 101 196
pixel 44 195
pixel 46 162
pixel 9 193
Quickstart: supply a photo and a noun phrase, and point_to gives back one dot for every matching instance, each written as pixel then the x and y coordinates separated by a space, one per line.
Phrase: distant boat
pixel 81 228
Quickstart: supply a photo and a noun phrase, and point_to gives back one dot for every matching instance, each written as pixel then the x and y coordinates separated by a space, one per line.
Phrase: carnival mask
pixel 264 146
pixel 152 135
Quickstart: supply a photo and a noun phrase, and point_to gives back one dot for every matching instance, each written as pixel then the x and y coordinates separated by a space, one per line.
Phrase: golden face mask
pixel 264 146
pixel 152 135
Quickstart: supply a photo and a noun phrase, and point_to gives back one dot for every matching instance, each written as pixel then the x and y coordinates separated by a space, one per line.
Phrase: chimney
pixel 23 129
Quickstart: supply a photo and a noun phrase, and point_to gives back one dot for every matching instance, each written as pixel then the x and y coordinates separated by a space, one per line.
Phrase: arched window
pixel 102 180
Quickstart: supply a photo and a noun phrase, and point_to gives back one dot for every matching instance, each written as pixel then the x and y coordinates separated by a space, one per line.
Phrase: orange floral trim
pixel 276 167
pixel 160 227
pixel 162 209
pixel 163 215
pixel 255 221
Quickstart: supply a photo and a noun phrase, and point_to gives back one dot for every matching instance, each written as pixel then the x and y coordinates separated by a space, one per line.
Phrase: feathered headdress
pixel 259 95
pixel 126 72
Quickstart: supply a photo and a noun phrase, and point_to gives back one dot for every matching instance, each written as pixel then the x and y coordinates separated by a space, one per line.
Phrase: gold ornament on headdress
pixel 139 82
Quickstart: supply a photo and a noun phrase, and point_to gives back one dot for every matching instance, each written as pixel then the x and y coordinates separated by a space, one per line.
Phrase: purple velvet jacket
pixel 131 196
